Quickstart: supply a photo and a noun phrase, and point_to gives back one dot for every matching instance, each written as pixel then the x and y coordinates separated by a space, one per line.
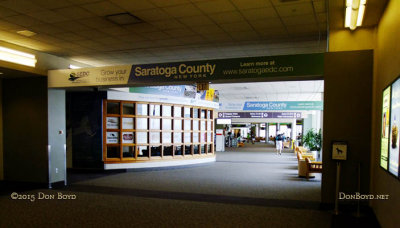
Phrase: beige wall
pixel 347 40
pixel 1 131
pixel 387 64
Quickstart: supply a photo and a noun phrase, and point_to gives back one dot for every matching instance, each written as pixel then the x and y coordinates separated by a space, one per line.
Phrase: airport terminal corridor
pixel 250 186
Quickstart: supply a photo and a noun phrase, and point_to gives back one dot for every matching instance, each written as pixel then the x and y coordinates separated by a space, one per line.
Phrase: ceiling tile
pixel 115 31
pixel 89 43
pixel 46 28
pixel 79 2
pixel 5 25
pixel 196 21
pixel 276 32
pixel 74 12
pixel 91 33
pixel 51 4
pixel 152 15
pixel 168 24
pixel 96 22
pixel 191 39
pixel 69 36
pixel 23 20
pixel 294 9
pixel 131 38
pixel 137 5
pixel 210 29
pixel 180 32
pixel 158 35
pixel 245 35
pixel 5 12
pixel 226 17
pixel 260 13
pixel 266 23
pixel 251 4
pixel 163 3
pixel 299 20
pixel 218 37
pixel 46 38
pixel 301 30
pixel 72 26
pixel 21 6
pixel 103 8
pixel 165 43
pixel 48 16
pixel 141 27
pixel 236 27
pixel 186 10
pixel 215 6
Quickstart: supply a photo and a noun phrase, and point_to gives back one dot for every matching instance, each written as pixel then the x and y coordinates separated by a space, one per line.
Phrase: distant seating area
pixel 313 167
pixel 306 163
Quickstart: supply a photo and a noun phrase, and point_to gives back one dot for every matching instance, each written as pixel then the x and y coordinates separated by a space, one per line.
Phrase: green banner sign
pixel 239 69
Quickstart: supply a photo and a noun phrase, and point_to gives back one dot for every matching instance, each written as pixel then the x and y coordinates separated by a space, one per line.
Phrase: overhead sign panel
pixel 272 105
pixel 192 71
pixel 230 115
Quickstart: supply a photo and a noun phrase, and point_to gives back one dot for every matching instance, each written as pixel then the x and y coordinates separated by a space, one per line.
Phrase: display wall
pixel 387 69
pixel 143 131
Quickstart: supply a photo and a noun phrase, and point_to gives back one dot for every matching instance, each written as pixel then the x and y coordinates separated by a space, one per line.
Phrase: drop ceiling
pixel 271 91
pixel 170 30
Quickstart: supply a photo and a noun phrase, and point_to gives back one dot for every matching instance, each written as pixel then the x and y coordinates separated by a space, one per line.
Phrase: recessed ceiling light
pixel 123 19
pixel 1 72
pixel 26 33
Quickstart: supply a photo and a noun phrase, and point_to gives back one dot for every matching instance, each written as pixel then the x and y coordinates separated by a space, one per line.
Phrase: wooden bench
pixel 313 167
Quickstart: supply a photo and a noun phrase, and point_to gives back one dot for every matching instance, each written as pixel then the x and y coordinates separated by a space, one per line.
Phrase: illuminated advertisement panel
pixel 385 128
pixel 394 129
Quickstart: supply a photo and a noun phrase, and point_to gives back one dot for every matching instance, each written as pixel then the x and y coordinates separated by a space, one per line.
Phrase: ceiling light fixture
pixel 18 57
pixel 354 13
pixel 26 33
pixel 74 67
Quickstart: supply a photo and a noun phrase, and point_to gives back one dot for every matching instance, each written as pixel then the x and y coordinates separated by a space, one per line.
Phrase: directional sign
pixel 288 115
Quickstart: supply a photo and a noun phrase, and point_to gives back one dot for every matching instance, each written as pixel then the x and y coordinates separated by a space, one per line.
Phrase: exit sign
pixel 202 86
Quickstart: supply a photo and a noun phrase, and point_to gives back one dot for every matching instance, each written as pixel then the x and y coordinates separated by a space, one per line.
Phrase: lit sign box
pixel 390 124
pixel 289 115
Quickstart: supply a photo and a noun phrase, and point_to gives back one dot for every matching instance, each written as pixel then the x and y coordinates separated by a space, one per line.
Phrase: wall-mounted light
pixel 354 13
pixel 74 67
pixel 19 57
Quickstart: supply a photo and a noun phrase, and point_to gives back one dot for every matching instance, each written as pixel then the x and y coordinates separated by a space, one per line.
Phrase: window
pixel 186 112
pixel 177 137
pixel 177 125
pixel 167 124
pixel 128 108
pixel 166 110
pixel 177 111
pixel 167 137
pixel 141 123
pixel 113 108
pixel 141 109
pixel 155 110
pixel 155 124
pixel 141 137
pixel 155 137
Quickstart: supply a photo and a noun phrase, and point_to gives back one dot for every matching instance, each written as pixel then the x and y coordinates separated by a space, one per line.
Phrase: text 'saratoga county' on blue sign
pixel 282 105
